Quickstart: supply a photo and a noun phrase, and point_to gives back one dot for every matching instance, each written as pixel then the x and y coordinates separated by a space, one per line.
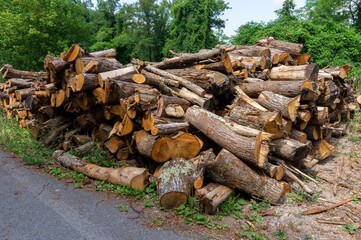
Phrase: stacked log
pixel 230 118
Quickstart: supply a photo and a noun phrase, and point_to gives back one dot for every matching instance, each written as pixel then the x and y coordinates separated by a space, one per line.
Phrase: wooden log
pixel 194 98
pixel 329 93
pixel 169 128
pixel 250 51
pixel 80 139
pixel 74 52
pixel 303 59
pixel 264 75
pixel 9 72
pixel 289 149
pixel 320 117
pixel 21 83
pixel 55 64
pixel 295 73
pixel 322 149
pixel 133 177
pixel 174 110
pixel 123 153
pixel 126 89
pixel 303 115
pixel 108 53
pixel 161 149
pixel 293 48
pixel 313 132
pixel 211 196
pixel 114 143
pixel 276 102
pixel 298 135
pixel 22 94
pixel 230 171
pixel 253 149
pixel 340 71
pixel 53 136
pixel 96 65
pixel 184 82
pixel 186 58
pixel 267 121
pixel 84 82
pixel 116 74
pixel 86 147
pixel 175 183
pixel 291 89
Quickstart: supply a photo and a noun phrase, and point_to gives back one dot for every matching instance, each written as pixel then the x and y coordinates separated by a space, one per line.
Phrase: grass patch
pixel 20 141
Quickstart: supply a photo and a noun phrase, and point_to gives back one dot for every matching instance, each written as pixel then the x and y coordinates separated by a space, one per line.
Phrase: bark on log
pixel 84 82
pixel 53 136
pixel 9 72
pixel 104 53
pixel 276 102
pixel 54 64
pixel 313 132
pixel 211 196
pixel 253 149
pixel 291 89
pixel 293 48
pixel 175 183
pixel 228 170
pixel 74 52
pixel 169 128
pixel 21 83
pixel 249 51
pixel 322 149
pixel 289 149
pixel 86 147
pixel 295 73
pixel 96 65
pixel 298 135
pixel 133 177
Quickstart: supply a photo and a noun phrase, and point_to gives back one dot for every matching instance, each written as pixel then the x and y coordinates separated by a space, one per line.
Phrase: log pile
pixel 231 118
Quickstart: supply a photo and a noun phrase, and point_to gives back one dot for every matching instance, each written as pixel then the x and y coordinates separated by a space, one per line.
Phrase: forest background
pixel 147 29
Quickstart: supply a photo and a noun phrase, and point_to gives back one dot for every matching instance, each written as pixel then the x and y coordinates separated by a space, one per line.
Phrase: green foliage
pixel 250 234
pixel 193 23
pixel 259 207
pixel 280 234
pixel 301 196
pixel 232 206
pixel 122 208
pixel 20 141
pixel 356 199
pixel 350 228
pixel 32 29
pixel 78 185
pixel 96 156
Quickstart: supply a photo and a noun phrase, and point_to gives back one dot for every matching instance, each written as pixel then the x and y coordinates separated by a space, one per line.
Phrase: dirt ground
pixel 284 221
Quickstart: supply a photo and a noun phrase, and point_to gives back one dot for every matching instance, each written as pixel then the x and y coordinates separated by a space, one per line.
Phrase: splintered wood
pixel 233 118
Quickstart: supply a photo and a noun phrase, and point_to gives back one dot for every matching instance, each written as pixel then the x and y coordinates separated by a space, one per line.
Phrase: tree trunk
pixel 9 72
pixel 293 48
pixel 253 149
pixel 227 169
pixel 289 149
pixel 115 74
pixel 291 89
pixel 211 196
pixel 276 102
pixel 175 183
pixel 295 73
pixel 133 177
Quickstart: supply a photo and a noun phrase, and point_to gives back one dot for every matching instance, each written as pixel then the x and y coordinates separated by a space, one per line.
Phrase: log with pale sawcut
pixel 295 73
pixel 249 144
pixel 291 89
pixel 133 177
pixel 96 65
pixel 287 106
pixel 230 171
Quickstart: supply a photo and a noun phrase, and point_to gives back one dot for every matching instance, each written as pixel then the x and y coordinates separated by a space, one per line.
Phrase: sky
pixel 243 11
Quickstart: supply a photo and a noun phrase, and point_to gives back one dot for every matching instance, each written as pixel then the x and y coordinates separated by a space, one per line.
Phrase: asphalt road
pixel 36 206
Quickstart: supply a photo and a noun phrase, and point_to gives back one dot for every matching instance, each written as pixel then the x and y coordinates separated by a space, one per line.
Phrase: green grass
pixel 20 141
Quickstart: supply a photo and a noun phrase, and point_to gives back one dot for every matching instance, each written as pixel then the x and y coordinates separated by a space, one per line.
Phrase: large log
pixel 175 183
pixel 293 48
pixel 96 65
pixel 276 102
pixel 21 83
pixel 289 149
pixel 253 149
pixel 295 73
pixel 9 72
pixel 289 89
pixel 133 177
pixel 54 64
pixel 84 82
pixel 249 51
pixel 104 53
pixel 228 170
pixel 186 58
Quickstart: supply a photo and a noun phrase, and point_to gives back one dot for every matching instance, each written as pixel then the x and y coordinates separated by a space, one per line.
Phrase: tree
pixel 193 24
pixel 32 29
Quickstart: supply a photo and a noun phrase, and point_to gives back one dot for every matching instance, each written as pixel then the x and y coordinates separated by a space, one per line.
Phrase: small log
pixel 298 135
pixel 250 51
pixel 84 82
pixel 264 75
pixel 22 94
pixel 80 139
pixel 340 72
pixel 227 169
pixel 21 83
pixel 174 110
pixel 133 177
pixel 211 196
pixel 96 65
pixel 252 148
pixel 169 128
pixel 123 153
pixel 55 64
pixel 161 149
pixel 73 53
pixel 276 102
pixel 322 149
pixel 295 73
pixel 313 132
pixel 193 98
pixel 116 74
pixel 303 115
pixel 86 147
pixel 175 183
pixel 320 117
pixel 53 136
pixel 108 53
pixel 289 149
